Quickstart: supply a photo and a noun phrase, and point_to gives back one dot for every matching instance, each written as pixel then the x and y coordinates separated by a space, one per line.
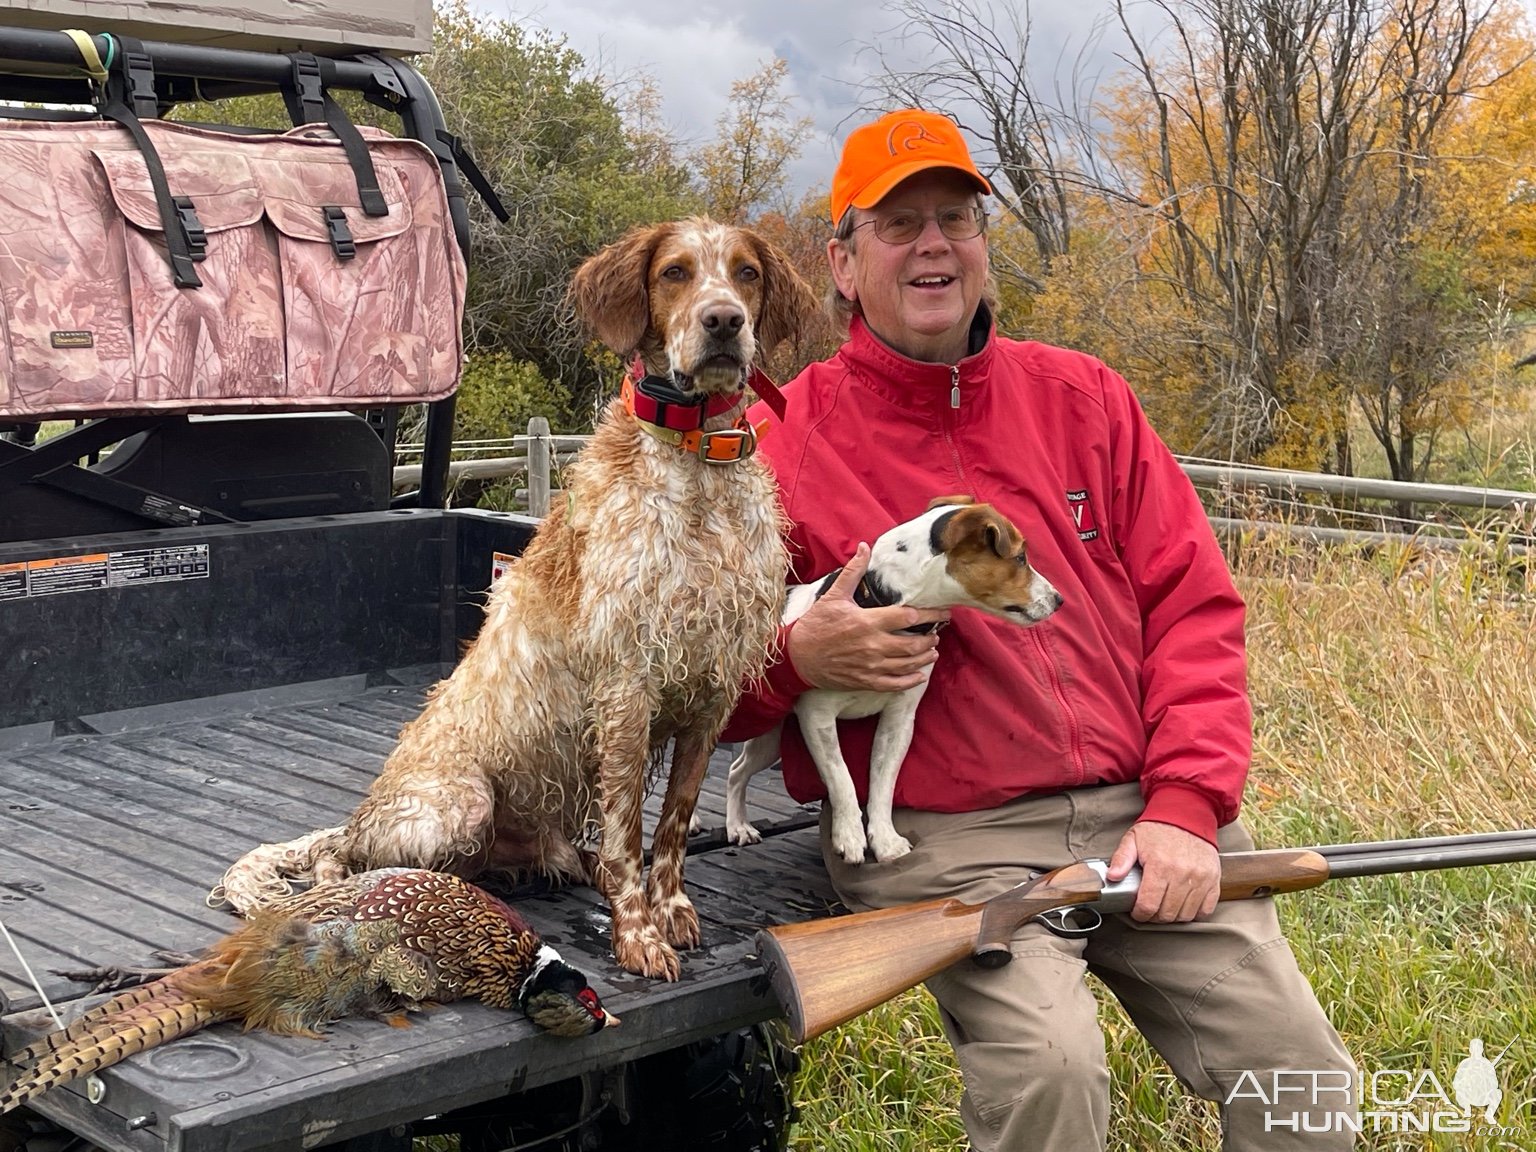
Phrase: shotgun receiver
pixel 826 972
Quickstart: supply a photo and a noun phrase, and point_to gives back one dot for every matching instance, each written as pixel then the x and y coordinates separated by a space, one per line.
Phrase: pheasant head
pixel 558 998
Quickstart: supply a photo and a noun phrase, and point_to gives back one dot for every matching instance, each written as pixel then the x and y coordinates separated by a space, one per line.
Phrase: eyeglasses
pixel 904 225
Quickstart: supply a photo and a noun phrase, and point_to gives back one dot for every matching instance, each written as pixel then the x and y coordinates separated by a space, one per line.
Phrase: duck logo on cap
pixel 907 135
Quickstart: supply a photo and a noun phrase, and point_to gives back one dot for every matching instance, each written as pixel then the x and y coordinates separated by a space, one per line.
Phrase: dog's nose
pixel 1056 601
pixel 723 320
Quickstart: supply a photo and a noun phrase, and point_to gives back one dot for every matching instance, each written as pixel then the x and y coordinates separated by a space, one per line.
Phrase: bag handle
pixel 130 94
pixel 308 100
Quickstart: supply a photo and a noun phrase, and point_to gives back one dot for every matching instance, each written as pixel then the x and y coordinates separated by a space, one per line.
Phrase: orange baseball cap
pixel 879 156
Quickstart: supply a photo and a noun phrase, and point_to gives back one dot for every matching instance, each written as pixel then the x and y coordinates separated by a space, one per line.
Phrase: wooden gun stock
pixel 826 972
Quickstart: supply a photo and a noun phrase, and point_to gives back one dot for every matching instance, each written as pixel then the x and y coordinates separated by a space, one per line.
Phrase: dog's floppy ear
pixel 960 498
pixel 609 289
pixel 978 526
pixel 788 302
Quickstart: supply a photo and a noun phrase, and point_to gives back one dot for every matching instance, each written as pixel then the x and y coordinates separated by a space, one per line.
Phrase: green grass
pixel 1394 696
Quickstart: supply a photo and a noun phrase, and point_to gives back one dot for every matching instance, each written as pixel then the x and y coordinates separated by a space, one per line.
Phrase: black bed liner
pixel 111 838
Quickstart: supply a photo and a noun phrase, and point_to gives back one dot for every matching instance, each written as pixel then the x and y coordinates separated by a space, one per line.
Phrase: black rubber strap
pixel 477 179
pixel 310 81
pixel 131 87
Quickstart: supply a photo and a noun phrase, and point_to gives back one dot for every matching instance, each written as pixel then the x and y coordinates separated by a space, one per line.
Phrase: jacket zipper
pixel 1074 734
pixel 954 404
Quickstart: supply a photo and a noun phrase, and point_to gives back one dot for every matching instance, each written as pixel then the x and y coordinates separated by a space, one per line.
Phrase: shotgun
pixel 825 972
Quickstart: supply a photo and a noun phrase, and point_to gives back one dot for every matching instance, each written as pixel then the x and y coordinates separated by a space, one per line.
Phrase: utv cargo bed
pixel 270 669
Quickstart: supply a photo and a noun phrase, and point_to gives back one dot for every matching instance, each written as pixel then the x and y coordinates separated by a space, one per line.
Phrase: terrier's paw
pixel 848 838
pixel 741 832
pixel 695 825
pixel 643 952
pixel 888 844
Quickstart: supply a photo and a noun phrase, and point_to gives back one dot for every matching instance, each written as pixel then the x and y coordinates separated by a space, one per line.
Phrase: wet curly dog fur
pixel 649 595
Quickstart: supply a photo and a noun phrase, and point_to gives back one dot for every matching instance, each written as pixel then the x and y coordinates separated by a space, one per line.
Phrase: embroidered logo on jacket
pixel 1082 514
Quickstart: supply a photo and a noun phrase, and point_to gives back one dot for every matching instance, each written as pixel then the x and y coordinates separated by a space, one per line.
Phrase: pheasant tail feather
pixel 86 1024
pixel 143 1024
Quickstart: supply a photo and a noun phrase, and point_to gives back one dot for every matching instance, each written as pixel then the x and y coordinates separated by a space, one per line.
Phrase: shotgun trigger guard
pixel 1070 920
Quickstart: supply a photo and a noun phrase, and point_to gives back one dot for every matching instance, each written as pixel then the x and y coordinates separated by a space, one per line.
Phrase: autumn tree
pixel 746 167
pixel 552 137
pixel 974 62
pixel 1286 214
pixel 1427 295
pixel 801 233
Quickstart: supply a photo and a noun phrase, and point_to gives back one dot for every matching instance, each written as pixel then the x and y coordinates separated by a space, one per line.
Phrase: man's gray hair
pixel 843 310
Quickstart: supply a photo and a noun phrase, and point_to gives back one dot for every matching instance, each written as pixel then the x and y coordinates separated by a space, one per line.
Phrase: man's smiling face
pixel 918 297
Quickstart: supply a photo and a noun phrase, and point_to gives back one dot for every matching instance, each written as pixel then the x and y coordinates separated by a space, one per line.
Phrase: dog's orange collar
pixel 724 446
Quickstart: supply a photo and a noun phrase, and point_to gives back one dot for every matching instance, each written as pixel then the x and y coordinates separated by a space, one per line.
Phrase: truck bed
pixel 111 838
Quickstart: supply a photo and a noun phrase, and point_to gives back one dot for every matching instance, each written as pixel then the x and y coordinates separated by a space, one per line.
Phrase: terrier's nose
pixel 723 320
pixel 1056 601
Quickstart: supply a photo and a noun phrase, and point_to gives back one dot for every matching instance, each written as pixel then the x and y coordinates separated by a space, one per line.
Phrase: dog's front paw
pixel 848 837
pixel 643 952
pixel 741 832
pixel 888 844
pixel 678 921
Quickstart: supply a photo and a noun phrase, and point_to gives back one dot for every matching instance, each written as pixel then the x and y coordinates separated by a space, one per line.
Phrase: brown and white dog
pixel 649 595
pixel 956 554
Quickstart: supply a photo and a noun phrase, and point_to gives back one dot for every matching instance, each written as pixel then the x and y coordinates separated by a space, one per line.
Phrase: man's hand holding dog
pixel 1180 872
pixel 839 645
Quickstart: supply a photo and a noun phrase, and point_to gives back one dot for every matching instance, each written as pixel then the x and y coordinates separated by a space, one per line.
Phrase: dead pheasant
pixel 376 944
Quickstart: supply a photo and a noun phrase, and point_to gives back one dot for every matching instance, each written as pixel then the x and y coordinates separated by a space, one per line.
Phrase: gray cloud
pixel 694 53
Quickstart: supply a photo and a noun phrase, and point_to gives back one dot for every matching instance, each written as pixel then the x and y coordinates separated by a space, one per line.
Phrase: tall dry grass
pixel 1395 695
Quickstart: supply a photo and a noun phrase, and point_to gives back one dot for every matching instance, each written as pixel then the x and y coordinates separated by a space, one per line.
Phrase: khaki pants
pixel 1216 997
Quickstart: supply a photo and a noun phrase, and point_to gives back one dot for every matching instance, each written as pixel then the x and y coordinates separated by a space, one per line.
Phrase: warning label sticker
pixel 13 581
pixel 500 562
pixel 66 574
pixel 154 565
pixel 103 570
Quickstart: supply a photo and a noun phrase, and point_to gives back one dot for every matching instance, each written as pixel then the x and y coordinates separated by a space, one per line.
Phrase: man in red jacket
pixel 1120 727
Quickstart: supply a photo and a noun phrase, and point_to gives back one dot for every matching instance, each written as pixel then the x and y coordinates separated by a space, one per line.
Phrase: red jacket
pixel 1140 675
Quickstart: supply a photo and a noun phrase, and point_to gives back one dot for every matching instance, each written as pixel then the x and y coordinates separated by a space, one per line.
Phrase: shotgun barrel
pixel 825 972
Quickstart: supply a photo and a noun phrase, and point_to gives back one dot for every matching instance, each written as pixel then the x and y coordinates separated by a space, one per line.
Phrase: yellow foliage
pixel 1245 333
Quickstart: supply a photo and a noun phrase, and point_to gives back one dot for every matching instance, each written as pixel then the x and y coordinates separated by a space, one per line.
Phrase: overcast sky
pixel 694 51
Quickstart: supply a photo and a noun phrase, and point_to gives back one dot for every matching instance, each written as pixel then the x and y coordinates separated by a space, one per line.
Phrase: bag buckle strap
pixel 139 69
pixel 306 98
pixel 191 227
pixel 337 231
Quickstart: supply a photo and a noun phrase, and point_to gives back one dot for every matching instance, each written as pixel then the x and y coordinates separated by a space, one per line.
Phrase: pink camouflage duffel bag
pixel 250 272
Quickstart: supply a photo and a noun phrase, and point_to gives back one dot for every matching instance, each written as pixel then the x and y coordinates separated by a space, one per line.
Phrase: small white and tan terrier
pixel 956 554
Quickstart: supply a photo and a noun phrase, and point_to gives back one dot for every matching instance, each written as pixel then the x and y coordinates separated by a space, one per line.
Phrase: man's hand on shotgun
pixel 827 971
pixel 1180 873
